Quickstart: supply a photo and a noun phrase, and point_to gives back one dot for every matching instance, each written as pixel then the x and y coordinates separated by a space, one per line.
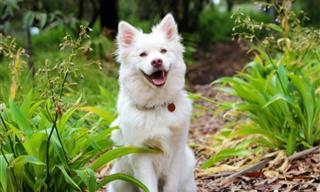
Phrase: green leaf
pixel 34 107
pixel 274 27
pixel 24 159
pixel 20 118
pixel 26 104
pixel 34 144
pixel 124 177
pixel 279 97
pixel 58 149
pixel 291 144
pixel 4 171
pixel 119 152
pixel 108 117
pixel 11 6
pixel 18 163
pixel 65 118
pixel 88 176
pixel 67 177
pixel 42 17
pixel 28 19
pixel 224 154
pixel 253 129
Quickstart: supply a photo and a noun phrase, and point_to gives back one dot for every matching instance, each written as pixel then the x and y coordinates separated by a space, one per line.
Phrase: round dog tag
pixel 171 107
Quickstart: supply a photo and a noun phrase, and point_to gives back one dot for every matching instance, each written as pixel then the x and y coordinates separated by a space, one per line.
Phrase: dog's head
pixel 152 61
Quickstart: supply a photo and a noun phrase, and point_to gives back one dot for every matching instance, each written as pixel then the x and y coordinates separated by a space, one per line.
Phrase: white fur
pixel 144 119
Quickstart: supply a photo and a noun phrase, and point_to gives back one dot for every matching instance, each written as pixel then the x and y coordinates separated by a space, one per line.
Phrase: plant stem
pixel 57 131
pixel 47 155
pixel 10 140
pixel 54 127
pixel 13 174
pixel 63 83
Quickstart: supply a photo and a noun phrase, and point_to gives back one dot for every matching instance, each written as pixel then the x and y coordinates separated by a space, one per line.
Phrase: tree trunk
pixel 109 17
pixel 185 20
pixel 80 10
pixel 230 4
pixel 95 13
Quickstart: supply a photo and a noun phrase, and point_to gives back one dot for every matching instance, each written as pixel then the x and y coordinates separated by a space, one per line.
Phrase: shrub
pixel 50 140
pixel 216 25
pixel 279 90
pixel 282 104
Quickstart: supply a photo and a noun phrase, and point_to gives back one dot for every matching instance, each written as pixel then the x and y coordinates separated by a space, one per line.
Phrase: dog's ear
pixel 169 27
pixel 126 34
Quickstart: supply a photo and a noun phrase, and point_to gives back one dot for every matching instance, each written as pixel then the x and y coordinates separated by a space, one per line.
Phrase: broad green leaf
pixel 108 117
pixel 88 176
pixel 67 177
pixel 4 171
pixel 253 129
pixel 34 144
pixel 18 163
pixel 24 159
pixel 58 149
pixel 65 118
pixel 119 152
pixel 124 177
pixel 292 142
pixel 34 107
pixel 28 19
pixel 26 104
pixel 20 118
pixel 224 154
pixel 279 97
pixel 42 17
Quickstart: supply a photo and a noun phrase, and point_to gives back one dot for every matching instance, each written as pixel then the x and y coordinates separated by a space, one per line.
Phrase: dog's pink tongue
pixel 159 79
pixel 159 82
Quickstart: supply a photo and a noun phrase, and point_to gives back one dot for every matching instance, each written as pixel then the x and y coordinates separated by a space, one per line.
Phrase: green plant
pixel 50 139
pixel 283 105
pixel 279 90
pixel 214 25
pixel 217 25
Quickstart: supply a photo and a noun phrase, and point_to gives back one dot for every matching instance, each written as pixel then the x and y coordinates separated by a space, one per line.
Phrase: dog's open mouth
pixel 157 78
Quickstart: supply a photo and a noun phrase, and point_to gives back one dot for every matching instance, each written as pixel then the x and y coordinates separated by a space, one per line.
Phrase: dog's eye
pixel 163 51
pixel 143 54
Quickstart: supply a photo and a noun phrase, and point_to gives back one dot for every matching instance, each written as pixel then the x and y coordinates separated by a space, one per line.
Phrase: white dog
pixel 153 109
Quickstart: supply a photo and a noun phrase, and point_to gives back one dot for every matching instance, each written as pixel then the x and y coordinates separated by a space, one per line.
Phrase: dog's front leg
pixel 171 182
pixel 144 171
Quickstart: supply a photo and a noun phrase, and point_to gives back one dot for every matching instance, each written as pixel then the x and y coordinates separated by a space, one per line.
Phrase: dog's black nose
pixel 157 63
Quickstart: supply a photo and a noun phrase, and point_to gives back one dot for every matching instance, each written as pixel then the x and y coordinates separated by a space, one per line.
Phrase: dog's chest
pixel 140 125
pixel 170 146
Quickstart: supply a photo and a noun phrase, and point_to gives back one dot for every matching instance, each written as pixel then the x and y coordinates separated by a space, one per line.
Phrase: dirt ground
pixel 221 59
pixel 279 174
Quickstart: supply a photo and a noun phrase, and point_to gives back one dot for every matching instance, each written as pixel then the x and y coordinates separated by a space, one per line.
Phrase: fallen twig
pixel 222 174
pixel 302 153
pixel 252 168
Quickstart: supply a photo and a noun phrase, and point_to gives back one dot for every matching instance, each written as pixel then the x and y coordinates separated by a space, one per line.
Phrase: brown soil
pixel 221 59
